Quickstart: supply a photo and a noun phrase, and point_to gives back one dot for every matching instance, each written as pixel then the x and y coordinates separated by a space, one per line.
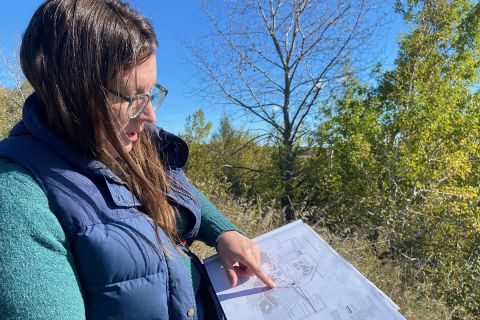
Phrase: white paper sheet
pixel 314 282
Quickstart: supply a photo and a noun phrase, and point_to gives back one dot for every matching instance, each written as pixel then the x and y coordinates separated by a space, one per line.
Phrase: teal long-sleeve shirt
pixel 38 279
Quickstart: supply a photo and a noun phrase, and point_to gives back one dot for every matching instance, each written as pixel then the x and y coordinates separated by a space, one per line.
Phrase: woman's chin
pixel 128 147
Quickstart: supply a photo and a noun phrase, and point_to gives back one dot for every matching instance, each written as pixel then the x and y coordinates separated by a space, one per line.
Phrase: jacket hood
pixel 34 124
pixel 173 150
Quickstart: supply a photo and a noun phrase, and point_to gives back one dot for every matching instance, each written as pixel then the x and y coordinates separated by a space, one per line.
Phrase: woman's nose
pixel 148 115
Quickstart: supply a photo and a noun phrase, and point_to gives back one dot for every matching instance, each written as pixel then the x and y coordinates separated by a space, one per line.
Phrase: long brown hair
pixel 71 52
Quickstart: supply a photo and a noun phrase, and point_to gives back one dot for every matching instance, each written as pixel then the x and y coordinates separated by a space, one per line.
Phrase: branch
pixel 296 29
pixel 234 99
pixel 237 166
pixel 254 96
pixel 314 87
pixel 304 53
pixel 271 30
pixel 241 55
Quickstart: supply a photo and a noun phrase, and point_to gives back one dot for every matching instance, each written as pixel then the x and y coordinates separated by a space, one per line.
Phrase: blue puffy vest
pixel 123 272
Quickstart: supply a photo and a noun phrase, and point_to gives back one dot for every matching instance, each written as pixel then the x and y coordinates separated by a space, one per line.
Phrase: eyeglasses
pixel 137 103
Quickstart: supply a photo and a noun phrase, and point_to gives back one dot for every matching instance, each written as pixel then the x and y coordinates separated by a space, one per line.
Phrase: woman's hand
pixel 233 247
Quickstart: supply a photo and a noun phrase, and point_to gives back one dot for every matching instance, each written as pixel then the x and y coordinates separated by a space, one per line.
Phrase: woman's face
pixel 137 80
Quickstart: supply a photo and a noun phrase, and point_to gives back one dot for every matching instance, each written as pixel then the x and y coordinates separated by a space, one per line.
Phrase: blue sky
pixel 174 22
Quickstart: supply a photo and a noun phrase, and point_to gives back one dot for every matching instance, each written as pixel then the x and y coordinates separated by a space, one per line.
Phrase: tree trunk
pixel 287 165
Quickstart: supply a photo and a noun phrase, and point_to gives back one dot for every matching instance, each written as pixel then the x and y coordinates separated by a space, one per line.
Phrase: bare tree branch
pixel 277 60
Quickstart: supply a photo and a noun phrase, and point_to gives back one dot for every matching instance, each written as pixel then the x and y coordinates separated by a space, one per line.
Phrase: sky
pixel 174 22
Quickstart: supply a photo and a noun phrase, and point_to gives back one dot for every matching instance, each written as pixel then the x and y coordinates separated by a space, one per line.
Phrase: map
pixel 313 282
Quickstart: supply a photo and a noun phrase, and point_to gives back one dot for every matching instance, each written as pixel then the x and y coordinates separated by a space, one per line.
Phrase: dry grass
pixel 390 276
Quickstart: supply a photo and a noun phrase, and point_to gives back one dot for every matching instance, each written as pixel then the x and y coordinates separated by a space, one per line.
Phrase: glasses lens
pixel 137 106
pixel 157 99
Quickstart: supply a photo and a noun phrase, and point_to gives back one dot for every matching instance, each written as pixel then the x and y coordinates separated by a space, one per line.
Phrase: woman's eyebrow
pixel 131 90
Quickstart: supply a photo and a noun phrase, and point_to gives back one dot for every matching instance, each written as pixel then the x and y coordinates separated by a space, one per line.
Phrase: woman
pixel 95 208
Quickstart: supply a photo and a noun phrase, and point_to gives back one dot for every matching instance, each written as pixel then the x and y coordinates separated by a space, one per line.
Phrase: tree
pixel 12 96
pixel 403 156
pixel 11 102
pixel 345 171
pixel 243 162
pixel 227 160
pixel 197 129
pixel 433 99
pixel 277 61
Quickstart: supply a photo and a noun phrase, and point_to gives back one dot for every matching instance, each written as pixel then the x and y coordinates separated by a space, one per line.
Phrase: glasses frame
pixel 132 98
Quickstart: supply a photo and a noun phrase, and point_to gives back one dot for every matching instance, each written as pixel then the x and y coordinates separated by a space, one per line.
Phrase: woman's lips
pixel 132 136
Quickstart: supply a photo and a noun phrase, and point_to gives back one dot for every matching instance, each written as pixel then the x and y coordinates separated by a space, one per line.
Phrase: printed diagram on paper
pixel 313 282
pixel 294 271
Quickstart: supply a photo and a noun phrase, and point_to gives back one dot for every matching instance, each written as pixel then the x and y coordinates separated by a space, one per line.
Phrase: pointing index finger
pixel 257 270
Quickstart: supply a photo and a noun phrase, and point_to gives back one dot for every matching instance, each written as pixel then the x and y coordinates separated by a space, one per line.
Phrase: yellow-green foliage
pixel 402 157
pixel 227 159
pixel 11 102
